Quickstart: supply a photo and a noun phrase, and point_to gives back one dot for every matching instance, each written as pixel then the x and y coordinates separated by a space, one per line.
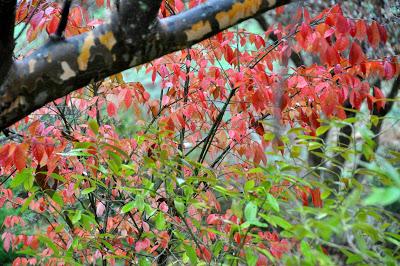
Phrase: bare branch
pixel 64 18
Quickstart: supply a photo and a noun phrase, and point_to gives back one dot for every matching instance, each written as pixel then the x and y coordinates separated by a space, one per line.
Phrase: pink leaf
pixel 7 240
pixel 100 208
pixel 142 245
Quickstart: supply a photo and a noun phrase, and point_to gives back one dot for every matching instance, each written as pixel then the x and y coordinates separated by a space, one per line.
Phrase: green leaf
pixel 269 136
pixel 58 199
pixel 255 171
pixel 160 221
pixel 93 126
pixel 88 221
pixel 20 177
pixel 180 206
pixel 128 207
pixel 313 145
pixel 276 220
pixel 273 202
pixel 28 182
pixel 383 196
pixel 77 217
pixel 350 120
pixel 76 153
pixel 321 130
pixel 108 245
pixel 58 177
pixel 249 185
pixel 144 261
pixel 306 250
pixel 218 246
pixel 191 253
pixel 139 202
pixel 250 211
pixel 88 190
pixel 251 258
pixel 26 203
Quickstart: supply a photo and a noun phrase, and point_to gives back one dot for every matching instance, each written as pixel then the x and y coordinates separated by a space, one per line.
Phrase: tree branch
pixel 7 15
pixel 64 18
pixel 58 68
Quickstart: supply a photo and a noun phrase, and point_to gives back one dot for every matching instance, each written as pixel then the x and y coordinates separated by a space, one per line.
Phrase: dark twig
pixel 64 18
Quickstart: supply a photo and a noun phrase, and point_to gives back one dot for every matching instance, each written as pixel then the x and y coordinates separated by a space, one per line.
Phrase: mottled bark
pixel 133 37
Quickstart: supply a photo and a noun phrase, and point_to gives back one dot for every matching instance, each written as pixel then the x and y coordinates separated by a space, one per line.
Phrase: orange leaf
pixel 361 30
pixel 19 157
pixel 99 2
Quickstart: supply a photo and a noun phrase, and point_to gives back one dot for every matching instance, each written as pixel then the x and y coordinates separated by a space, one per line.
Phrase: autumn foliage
pixel 203 164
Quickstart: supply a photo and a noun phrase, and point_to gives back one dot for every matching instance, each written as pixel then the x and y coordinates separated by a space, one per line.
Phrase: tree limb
pixel 58 68
pixel 7 15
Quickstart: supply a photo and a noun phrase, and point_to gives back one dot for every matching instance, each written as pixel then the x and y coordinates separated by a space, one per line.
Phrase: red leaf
pixel 380 98
pixel 99 2
pixel 361 30
pixel 7 238
pixel 382 33
pixel 316 197
pixel 332 56
pixel 36 19
pixel 258 100
pixel 142 245
pixel 75 17
pixel 279 10
pixel 373 34
pixel 329 102
pixel 259 128
pixel 353 29
pixel 342 43
pixel 53 24
pixel 128 98
pixel 370 101
pixel 111 109
pixel 342 25
pixel 356 55
pixel 37 151
pixel 389 70
pixel 5 155
pixel 204 253
pixel 49 146
pixel 213 219
pixel 179 5
pixel 355 99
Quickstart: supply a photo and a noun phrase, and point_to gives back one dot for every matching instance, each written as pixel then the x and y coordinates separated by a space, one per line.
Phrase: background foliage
pixel 271 143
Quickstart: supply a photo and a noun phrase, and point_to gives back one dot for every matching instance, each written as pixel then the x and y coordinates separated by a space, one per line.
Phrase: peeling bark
pixel 134 37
